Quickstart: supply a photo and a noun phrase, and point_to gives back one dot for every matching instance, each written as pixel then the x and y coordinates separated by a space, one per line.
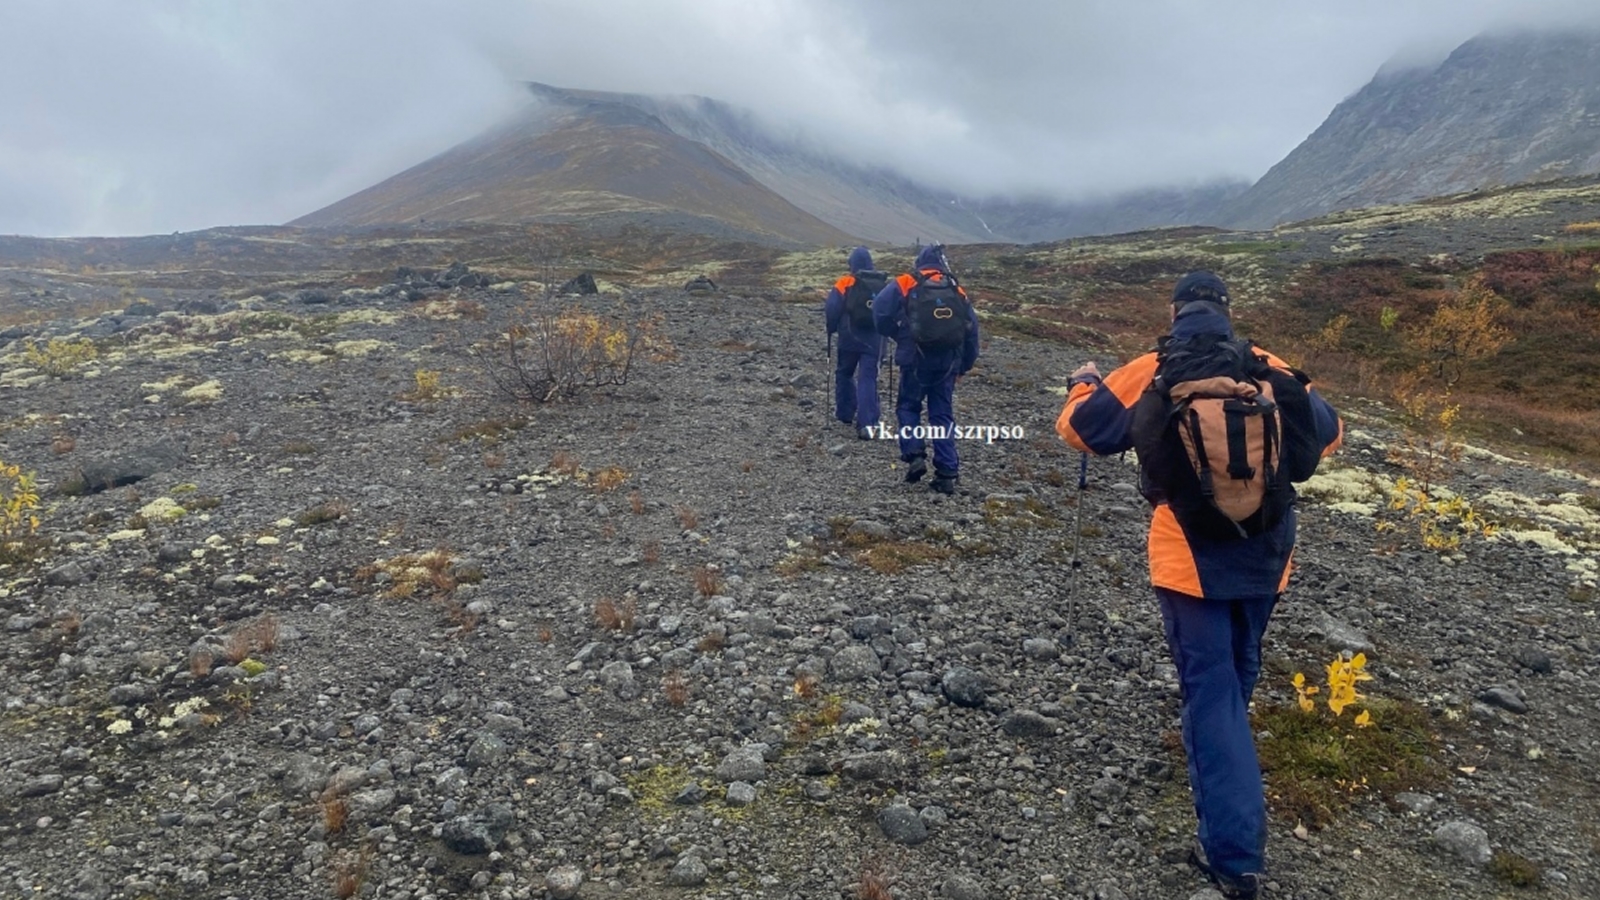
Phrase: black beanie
pixel 1202 286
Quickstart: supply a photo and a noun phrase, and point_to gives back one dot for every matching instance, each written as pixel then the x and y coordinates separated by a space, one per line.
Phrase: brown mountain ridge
pixel 598 160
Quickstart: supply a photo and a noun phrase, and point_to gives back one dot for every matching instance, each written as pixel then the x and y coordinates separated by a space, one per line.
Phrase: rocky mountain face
pixel 1500 110
pixel 706 165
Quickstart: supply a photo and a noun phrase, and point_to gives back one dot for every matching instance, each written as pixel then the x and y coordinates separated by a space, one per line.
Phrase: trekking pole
pixel 827 399
pixel 1077 563
pixel 893 397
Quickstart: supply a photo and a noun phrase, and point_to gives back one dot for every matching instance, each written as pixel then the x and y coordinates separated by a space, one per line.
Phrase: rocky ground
pixel 689 637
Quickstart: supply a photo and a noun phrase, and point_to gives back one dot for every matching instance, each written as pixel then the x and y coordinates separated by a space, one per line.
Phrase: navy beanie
pixel 1200 286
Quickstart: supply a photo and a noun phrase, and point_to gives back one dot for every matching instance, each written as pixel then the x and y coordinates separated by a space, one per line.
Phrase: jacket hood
pixel 1201 318
pixel 860 260
pixel 932 257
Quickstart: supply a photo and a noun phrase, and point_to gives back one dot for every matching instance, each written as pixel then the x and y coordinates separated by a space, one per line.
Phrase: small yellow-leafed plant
pixel 59 357
pixel 19 503
pixel 1344 673
pixel 1343 676
pixel 427 386
pixel 608 479
pixel 1441 523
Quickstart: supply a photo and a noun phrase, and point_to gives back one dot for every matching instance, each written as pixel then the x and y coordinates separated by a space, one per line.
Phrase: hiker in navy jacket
pixel 925 374
pixel 855 376
pixel 1216 599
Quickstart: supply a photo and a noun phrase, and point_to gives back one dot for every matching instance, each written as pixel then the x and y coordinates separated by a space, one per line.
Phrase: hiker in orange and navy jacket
pixel 855 376
pixel 927 373
pixel 1216 597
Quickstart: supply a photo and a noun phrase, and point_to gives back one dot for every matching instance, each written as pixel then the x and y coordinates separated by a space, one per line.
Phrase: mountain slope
pixel 881 204
pixel 686 160
pixel 553 163
pixel 1500 110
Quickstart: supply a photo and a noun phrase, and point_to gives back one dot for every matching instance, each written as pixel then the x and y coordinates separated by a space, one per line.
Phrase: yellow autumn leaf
pixel 1364 720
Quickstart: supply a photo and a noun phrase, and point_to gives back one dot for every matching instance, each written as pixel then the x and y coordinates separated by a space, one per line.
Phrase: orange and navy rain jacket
pixel 1098 419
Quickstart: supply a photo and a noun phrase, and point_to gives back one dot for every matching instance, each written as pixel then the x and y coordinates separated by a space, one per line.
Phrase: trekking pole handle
pixel 1083 471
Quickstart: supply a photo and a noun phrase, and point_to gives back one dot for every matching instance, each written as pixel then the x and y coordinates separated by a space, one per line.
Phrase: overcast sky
pixel 145 117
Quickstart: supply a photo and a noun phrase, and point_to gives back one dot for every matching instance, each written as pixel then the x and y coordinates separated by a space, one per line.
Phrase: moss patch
pixel 1316 766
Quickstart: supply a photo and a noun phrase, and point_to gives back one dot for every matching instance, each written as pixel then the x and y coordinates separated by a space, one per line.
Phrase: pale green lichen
pixel 162 509
pixel 356 349
pixel 205 392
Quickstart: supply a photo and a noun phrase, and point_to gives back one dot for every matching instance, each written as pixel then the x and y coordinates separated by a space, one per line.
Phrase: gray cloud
pixel 122 118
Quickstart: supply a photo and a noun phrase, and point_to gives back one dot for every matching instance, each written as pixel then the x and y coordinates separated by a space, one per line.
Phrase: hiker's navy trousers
pixel 1216 645
pixel 938 389
pixel 855 388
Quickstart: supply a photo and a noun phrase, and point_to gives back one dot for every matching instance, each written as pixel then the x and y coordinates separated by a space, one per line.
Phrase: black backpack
pixel 938 312
pixel 1222 436
pixel 858 300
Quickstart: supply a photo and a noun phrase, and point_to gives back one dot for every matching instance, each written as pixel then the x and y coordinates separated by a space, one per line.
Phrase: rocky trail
pixel 689 637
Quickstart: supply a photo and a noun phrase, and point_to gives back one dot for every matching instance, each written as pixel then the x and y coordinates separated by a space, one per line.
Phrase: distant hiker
pixel 935 333
pixel 849 314
pixel 1223 430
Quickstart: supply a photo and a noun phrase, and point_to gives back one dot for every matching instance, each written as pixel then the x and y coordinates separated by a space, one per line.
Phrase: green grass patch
pixel 797 563
pixel 489 431
pixel 1029 512
pixel 1316 766
pixel 1515 869
pixel 654 788
pixel 894 557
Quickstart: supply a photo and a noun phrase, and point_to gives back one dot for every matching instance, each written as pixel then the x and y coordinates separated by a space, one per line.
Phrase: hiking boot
pixel 865 433
pixel 917 467
pixel 1244 887
pixel 945 484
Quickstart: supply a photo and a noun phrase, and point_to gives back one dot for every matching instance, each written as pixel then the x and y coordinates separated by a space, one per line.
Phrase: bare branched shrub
pixel 564 463
pixel 707 581
pixel 614 616
pixel 806 685
pixel 322 513
pixel 636 503
pixel 350 871
pixel 554 356
pixel 651 553
pixel 200 660
pixel 675 688
pixel 875 886
pixel 335 811
pixel 688 518
pixel 236 648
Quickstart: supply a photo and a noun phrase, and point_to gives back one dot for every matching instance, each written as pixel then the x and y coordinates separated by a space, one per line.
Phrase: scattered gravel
pixel 773 717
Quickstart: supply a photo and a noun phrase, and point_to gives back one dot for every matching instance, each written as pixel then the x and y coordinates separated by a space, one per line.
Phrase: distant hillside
pixel 557 162
pixel 1500 110
pixel 701 164
pixel 880 204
